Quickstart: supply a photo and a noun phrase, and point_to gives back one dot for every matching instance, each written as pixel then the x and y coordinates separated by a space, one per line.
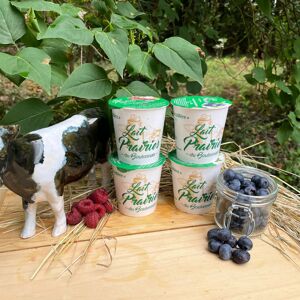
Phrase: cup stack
pixel 199 123
pixel 138 125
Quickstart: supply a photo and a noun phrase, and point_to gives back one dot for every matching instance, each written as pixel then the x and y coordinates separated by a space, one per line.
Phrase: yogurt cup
pixel 199 123
pixel 138 124
pixel 136 186
pixel 194 185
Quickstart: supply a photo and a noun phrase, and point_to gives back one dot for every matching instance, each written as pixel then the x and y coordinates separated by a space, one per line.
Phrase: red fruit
pixel 91 219
pixel 74 205
pixel 74 217
pixel 99 196
pixel 109 207
pixel 85 206
pixel 100 209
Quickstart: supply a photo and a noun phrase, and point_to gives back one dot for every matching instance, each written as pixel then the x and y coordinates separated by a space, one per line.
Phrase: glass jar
pixel 243 214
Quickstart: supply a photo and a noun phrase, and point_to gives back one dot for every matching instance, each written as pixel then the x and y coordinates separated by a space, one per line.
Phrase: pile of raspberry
pixel 91 209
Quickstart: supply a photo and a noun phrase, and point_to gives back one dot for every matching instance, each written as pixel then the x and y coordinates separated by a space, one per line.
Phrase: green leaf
pixel 70 9
pixel 70 29
pixel 297 107
pixel 259 74
pixel 294 121
pixel 265 6
pixel 296 72
pixel 30 63
pixel 180 78
pixel 115 45
pixel 38 5
pixel 281 85
pixel 273 97
pixel 57 49
pixel 58 76
pixel 137 88
pixel 296 136
pixel 12 26
pixel 284 132
pixel 181 56
pixel 297 47
pixel 125 23
pixel 140 62
pixel 34 23
pixel 193 87
pixel 31 114
pixel 250 79
pixel 127 10
pixel 87 81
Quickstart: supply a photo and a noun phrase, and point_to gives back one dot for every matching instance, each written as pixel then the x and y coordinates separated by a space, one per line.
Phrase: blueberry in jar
pixel 214 245
pixel 224 235
pixel 262 192
pixel 239 177
pixel 249 190
pixel 247 183
pixel 234 185
pixel 245 243
pixel 255 179
pixel 240 256
pixel 212 233
pixel 262 183
pixel 228 175
pixel 225 252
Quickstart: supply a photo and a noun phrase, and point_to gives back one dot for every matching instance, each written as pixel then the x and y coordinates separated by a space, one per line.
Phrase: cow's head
pixel 7 134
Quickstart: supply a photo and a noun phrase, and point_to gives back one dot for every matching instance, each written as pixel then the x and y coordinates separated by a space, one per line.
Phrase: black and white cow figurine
pixel 38 165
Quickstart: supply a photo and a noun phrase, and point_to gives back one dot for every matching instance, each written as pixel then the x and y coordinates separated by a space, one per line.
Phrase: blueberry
pixel 224 234
pixel 235 185
pixel 225 252
pixel 262 183
pixel 232 241
pixel 245 243
pixel 240 256
pixel 214 245
pixel 247 183
pixel 255 179
pixel 239 177
pixel 249 190
pixel 229 175
pixel 262 192
pixel 212 233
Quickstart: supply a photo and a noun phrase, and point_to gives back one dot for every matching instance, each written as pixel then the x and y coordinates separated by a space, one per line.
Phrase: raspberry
pixel 74 217
pixel 100 209
pixel 91 219
pixel 109 207
pixel 85 206
pixel 99 196
pixel 74 205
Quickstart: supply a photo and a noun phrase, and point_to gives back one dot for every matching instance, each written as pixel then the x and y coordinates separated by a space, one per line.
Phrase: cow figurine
pixel 38 165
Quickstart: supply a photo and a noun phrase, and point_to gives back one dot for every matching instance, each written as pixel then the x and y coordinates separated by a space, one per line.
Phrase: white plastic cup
pixel 138 124
pixel 136 186
pixel 194 185
pixel 199 124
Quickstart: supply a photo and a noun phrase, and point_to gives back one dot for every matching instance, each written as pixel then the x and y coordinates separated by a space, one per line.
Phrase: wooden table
pixel 162 256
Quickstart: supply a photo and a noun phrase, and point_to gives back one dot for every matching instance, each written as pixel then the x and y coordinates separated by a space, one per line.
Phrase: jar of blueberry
pixel 244 200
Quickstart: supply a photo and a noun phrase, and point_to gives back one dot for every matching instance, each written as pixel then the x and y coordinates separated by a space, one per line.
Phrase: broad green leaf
pixel 58 76
pixel 296 135
pixel 297 47
pixel 297 107
pixel 265 6
pixel 294 121
pixel 250 79
pixel 296 71
pixel 284 132
pixel 38 5
pixel 126 9
pixel 281 85
pixel 16 79
pixel 57 49
pixel 125 23
pixel 31 114
pixel 180 78
pixel 70 29
pixel 115 45
pixel 70 9
pixel 12 26
pixel 273 97
pixel 136 88
pixel 259 74
pixel 193 87
pixel 181 56
pixel 30 63
pixel 34 23
pixel 87 81
pixel 140 62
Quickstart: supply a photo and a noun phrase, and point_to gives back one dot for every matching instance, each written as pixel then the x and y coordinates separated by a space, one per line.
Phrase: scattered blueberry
pixel 214 245
pixel 229 175
pixel 240 256
pixel 245 243
pixel 224 235
pixel 262 183
pixel 225 252
pixel 232 241
pixel 255 179
pixel 212 233
pixel 239 177
pixel 262 192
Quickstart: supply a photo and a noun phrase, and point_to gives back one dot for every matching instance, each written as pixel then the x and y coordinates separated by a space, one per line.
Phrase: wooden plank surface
pixel 171 264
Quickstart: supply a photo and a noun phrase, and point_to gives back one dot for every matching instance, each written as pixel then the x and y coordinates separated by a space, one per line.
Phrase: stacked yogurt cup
pixel 199 124
pixel 137 164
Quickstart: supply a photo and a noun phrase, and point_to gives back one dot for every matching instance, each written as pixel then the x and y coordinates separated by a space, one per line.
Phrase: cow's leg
pixel 30 221
pixel 57 204
pixel 105 173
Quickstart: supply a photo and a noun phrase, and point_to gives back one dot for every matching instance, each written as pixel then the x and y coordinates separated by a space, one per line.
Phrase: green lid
pixel 207 102
pixel 138 102
pixel 173 157
pixel 113 159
